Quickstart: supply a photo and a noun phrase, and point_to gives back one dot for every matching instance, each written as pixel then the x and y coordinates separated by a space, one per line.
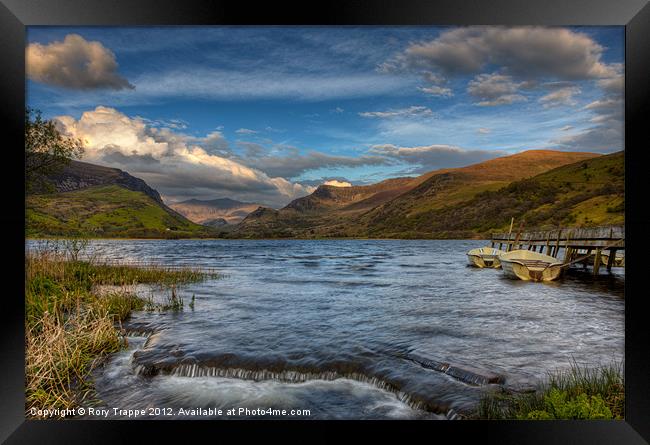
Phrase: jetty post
pixel 597 262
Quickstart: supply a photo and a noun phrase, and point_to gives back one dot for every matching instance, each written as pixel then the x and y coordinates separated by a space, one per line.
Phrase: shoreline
pixel 259 239
pixel 71 328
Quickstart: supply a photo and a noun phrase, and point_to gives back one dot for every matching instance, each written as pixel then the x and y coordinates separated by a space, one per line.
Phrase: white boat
pixel 485 257
pixel 530 266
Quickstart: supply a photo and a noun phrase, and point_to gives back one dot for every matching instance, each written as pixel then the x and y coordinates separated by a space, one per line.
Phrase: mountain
pixel 110 211
pixel 78 175
pixel 542 188
pixel 584 193
pixel 219 222
pixel 214 212
pixel 95 201
pixel 388 208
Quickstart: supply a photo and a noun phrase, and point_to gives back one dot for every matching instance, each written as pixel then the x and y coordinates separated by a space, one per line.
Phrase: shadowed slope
pixel 361 210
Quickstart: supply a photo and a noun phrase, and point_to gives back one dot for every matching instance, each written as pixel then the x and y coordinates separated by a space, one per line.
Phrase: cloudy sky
pixel 265 114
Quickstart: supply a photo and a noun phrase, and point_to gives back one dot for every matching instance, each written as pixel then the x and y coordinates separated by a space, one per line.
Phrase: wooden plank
pixel 594 233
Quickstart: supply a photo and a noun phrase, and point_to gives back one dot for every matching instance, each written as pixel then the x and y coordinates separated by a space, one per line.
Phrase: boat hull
pixel 530 266
pixel 484 261
pixel 517 270
pixel 484 257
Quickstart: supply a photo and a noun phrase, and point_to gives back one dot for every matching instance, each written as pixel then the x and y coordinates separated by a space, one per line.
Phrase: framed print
pixel 359 215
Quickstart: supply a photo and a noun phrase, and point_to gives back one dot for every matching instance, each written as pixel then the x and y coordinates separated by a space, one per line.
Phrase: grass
pixel 105 211
pixel 599 210
pixel 577 393
pixel 587 193
pixel 70 327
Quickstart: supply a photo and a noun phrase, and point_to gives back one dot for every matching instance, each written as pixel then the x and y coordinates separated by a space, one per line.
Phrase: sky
pixel 266 114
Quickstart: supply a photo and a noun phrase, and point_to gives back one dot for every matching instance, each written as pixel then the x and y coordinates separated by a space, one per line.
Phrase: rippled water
pixel 337 327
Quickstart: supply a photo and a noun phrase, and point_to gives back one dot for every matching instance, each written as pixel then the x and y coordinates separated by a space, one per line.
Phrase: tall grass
pixel 577 393
pixel 60 355
pixel 70 327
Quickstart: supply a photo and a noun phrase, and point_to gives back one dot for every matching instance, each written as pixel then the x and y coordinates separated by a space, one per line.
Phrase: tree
pixel 47 151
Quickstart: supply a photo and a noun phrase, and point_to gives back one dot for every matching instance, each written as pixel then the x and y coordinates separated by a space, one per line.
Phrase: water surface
pixel 333 326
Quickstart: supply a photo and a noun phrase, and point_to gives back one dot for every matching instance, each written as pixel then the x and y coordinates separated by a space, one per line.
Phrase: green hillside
pixel 408 207
pixel 585 193
pixel 110 211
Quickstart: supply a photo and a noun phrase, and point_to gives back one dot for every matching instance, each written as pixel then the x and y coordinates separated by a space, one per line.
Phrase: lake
pixel 336 327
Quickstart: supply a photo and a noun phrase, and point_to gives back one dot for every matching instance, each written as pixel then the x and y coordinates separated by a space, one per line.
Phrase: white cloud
pixel 295 164
pixel 605 104
pixel 484 131
pixel 74 63
pixel 178 165
pixel 245 131
pixel 250 85
pixel 528 51
pixel 336 183
pixel 495 89
pixel 599 139
pixel 614 84
pixel 605 135
pixel 436 91
pixel 559 97
pixel 414 111
pixel 433 78
pixel 519 52
pixel 435 156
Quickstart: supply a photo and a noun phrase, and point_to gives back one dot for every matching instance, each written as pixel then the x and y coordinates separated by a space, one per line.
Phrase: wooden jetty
pixel 578 245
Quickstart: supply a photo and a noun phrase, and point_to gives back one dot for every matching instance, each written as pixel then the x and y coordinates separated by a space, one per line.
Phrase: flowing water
pixel 351 329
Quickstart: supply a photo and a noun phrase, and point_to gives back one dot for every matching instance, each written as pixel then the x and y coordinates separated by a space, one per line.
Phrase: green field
pixel 109 211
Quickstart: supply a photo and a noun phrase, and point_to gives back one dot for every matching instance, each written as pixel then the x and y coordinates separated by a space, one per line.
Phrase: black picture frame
pixel 15 15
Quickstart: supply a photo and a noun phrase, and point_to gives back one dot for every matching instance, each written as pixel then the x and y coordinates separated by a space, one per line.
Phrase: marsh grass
pixel 70 327
pixel 577 393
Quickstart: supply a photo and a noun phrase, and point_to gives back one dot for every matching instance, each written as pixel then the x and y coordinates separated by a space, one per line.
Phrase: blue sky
pixel 265 114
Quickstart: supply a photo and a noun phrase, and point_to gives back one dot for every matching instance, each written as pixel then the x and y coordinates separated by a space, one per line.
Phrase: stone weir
pixel 463 373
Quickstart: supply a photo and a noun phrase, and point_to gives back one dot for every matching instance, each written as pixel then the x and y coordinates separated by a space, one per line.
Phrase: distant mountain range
pixel 216 212
pixel 413 207
pixel 540 187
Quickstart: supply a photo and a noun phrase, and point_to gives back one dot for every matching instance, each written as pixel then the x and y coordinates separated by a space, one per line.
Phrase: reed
pixel 577 393
pixel 61 354
pixel 70 327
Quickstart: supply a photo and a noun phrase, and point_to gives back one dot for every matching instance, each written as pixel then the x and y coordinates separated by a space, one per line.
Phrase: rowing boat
pixel 530 266
pixel 485 257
